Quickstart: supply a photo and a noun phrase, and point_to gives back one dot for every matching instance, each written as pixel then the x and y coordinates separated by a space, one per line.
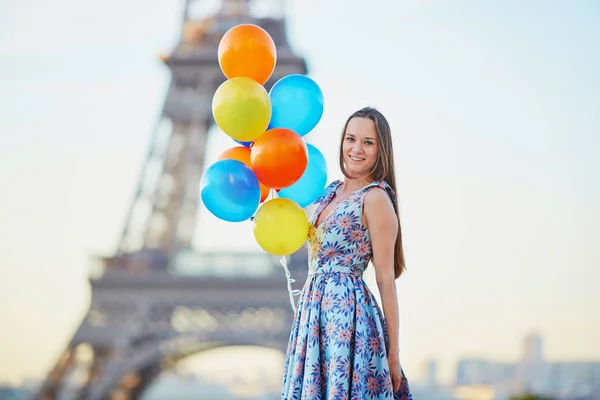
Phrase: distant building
pixel 431 373
pixel 484 372
pixel 532 374
pixel 13 393
pixel 532 351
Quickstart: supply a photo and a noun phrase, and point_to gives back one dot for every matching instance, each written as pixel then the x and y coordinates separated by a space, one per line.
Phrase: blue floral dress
pixel 338 343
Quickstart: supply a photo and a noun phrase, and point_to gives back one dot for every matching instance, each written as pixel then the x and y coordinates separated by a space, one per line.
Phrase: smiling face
pixel 359 147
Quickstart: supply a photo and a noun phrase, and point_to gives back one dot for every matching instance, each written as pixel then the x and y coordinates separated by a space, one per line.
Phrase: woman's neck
pixel 352 184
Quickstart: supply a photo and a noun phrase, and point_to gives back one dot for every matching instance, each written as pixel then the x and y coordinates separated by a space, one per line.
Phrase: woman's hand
pixel 395 372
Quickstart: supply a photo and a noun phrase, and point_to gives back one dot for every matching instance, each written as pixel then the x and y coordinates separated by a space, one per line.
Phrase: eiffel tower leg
pixel 147 376
pixel 93 374
pixel 52 384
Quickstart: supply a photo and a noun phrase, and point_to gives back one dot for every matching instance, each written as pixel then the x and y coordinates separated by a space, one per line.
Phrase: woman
pixel 341 346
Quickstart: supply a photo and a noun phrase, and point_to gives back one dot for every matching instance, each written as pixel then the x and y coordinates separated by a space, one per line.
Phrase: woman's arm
pixel 382 222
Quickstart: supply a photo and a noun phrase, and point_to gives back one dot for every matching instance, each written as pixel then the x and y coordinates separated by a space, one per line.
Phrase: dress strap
pixel 327 192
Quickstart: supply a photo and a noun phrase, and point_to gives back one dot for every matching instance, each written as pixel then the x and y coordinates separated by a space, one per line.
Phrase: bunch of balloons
pixel 271 156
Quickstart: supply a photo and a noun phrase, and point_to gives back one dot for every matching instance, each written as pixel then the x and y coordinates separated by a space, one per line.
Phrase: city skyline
pixel 496 140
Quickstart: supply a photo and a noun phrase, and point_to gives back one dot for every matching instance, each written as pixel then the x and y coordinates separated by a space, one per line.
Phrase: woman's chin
pixel 356 173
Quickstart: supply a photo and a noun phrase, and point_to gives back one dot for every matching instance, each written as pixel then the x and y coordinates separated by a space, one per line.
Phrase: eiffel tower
pixel 147 310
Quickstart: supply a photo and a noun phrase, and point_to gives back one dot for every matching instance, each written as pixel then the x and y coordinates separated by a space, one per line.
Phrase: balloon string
pixel 290 280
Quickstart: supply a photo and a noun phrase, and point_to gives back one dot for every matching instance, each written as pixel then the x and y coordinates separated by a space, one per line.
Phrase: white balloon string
pixel 290 280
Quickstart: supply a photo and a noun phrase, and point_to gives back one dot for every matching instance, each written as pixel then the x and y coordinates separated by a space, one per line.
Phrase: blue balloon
pixel 296 104
pixel 312 182
pixel 246 144
pixel 230 190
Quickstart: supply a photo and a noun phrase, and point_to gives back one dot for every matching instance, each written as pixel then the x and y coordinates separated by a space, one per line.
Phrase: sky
pixel 496 121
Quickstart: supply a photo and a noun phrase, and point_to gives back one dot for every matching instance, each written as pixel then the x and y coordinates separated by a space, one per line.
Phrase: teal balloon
pixel 230 190
pixel 309 187
pixel 296 104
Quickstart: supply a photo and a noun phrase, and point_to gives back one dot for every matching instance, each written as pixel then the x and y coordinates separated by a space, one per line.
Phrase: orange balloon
pixel 247 50
pixel 242 154
pixel 279 157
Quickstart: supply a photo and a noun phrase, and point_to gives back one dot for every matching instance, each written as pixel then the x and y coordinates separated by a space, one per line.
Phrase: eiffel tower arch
pixel 156 301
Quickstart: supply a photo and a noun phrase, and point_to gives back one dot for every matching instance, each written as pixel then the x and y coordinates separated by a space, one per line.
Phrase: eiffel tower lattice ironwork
pixel 143 317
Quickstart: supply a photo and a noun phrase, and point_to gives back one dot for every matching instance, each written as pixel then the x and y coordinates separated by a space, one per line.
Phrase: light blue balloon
pixel 312 182
pixel 296 104
pixel 230 190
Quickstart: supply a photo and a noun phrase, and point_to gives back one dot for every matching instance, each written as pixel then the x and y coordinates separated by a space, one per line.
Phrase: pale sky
pixel 495 111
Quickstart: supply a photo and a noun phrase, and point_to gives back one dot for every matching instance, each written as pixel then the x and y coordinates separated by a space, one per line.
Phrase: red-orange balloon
pixel 247 50
pixel 279 157
pixel 242 154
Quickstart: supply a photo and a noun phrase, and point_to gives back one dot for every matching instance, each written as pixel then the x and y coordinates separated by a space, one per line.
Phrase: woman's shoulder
pixel 379 201
pixel 383 189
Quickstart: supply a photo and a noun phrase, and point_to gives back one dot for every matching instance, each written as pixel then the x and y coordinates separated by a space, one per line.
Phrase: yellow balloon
pixel 242 108
pixel 280 226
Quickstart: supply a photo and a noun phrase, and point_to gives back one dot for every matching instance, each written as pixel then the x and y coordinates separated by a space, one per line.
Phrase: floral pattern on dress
pixel 339 340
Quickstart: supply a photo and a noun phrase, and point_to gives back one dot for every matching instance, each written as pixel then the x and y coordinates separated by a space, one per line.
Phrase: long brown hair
pixel 383 170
